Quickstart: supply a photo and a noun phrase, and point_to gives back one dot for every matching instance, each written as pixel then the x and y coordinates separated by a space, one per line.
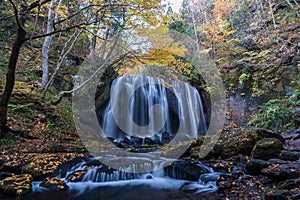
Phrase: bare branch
pixel 35 25
pixel 16 13
pixel 36 4
pixel 62 58
pixel 107 59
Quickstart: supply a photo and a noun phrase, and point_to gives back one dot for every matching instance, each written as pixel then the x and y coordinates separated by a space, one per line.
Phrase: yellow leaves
pixel 61 10
pixel 228 32
pixel 124 71
pixel 163 47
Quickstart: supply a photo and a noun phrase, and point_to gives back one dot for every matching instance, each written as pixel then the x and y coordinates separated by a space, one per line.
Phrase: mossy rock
pixel 16 185
pixel 37 173
pixel 54 184
pixel 267 148
pixel 242 140
pixel 235 141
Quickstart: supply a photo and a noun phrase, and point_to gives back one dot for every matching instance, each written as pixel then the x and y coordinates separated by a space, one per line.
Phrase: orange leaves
pixel 223 8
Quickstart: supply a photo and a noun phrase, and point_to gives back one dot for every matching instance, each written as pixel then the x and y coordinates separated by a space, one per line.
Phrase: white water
pixel 161 179
pixel 143 106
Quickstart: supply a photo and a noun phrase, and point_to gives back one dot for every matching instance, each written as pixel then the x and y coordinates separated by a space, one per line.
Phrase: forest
pixel 97 97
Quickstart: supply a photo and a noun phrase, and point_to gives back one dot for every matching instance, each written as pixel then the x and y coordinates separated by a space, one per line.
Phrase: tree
pixel 112 14
pixel 21 18
pixel 47 41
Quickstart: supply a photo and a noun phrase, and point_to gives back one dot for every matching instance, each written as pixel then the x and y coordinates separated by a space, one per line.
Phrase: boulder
pixel 149 141
pixel 185 170
pixel 278 161
pixel 289 184
pixel 76 176
pixel 283 172
pixel 254 167
pixel 289 155
pixel 165 137
pixel 16 185
pixel 54 184
pixel 240 141
pixel 137 141
pixel 267 148
pixel 276 195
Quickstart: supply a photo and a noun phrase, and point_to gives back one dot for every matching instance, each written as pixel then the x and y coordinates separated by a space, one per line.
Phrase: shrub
pixel 278 114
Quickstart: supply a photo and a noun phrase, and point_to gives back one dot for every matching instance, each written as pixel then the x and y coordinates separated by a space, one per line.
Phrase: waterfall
pixel 143 108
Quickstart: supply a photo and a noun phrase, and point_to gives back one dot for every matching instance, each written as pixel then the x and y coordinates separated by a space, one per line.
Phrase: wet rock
pixel 277 195
pixel 156 139
pixel 149 141
pixel 149 177
pixel 267 148
pixel 289 155
pixel 93 162
pixel 165 137
pixel 37 173
pixel 76 176
pixel 295 196
pixel 292 140
pixel 185 170
pixel 128 141
pixel 136 140
pixel 283 172
pixel 16 185
pixel 209 177
pixel 189 188
pixel 4 175
pixel 289 184
pixel 278 161
pixel 224 182
pixel 293 145
pixel 66 166
pixel 237 174
pixel 254 167
pixel 292 136
pixel 54 184
pixel 12 168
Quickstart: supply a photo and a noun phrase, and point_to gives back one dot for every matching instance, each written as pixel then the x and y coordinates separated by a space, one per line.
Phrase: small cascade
pixel 144 109
pixel 180 175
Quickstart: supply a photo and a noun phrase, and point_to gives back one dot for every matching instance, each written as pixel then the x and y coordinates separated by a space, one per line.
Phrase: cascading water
pixel 151 108
pixel 184 176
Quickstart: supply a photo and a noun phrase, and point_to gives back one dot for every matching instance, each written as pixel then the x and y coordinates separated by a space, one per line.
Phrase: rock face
pixel 267 148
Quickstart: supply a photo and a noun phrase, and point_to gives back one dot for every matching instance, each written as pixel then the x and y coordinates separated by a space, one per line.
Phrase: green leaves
pixel 278 114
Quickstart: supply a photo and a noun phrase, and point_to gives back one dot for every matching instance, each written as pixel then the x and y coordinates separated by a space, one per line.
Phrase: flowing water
pixel 101 182
pixel 147 107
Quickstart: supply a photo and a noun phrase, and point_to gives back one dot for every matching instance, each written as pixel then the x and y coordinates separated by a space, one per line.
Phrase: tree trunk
pixel 47 42
pixel 10 76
